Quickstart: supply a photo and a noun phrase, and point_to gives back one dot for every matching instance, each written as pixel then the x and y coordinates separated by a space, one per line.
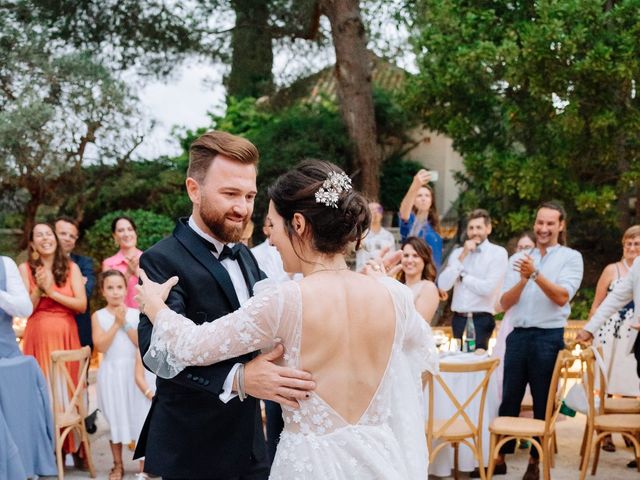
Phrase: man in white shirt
pixel 538 291
pixel 14 302
pixel 476 272
pixel 377 239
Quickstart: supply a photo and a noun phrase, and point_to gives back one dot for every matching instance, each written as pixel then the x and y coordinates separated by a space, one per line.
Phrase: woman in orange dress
pixel 57 292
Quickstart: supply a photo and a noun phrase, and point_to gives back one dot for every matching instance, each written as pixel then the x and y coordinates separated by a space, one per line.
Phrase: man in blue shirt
pixel 538 291
pixel 67 231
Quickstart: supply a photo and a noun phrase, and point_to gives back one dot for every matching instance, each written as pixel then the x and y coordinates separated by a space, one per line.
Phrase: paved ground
pixel 612 466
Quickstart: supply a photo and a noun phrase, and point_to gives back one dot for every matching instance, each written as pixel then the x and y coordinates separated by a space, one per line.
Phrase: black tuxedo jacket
pixel 189 432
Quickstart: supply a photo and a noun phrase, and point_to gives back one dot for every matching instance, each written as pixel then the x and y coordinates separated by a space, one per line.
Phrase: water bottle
pixel 469 334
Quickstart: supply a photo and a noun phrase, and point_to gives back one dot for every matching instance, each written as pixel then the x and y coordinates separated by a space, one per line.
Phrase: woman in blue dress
pixel 419 215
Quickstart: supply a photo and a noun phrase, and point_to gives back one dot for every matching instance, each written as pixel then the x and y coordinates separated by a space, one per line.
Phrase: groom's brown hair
pixel 203 151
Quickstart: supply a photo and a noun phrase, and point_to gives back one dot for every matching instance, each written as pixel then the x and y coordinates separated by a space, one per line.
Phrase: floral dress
pixel 616 337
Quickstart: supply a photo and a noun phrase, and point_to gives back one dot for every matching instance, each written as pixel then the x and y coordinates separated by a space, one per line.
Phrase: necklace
pixel 327 270
pixel 626 265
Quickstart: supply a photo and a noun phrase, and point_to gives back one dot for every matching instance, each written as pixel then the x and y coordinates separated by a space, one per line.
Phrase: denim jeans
pixel 483 322
pixel 529 358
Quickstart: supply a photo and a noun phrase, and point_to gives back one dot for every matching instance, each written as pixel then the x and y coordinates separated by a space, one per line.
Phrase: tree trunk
pixel 252 55
pixel 30 211
pixel 353 76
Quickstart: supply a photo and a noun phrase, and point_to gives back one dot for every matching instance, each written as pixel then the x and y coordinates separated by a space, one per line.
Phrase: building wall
pixel 435 152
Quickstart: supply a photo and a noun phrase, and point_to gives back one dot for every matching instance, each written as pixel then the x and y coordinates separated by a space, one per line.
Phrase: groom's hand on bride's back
pixel 268 381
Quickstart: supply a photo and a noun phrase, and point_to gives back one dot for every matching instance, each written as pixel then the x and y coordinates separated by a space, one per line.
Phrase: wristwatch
pixel 534 275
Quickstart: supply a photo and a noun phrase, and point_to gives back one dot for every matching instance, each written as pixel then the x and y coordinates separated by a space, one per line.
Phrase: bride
pixel 359 335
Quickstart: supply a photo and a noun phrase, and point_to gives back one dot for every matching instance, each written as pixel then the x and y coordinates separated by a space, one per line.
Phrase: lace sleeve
pixel 177 342
pixel 418 342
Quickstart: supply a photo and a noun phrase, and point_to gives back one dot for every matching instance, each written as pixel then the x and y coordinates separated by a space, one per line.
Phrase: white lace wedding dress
pixel 387 442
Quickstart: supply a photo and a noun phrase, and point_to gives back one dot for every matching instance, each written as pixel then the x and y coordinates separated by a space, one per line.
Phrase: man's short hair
pixel 479 213
pixel 203 151
pixel 72 221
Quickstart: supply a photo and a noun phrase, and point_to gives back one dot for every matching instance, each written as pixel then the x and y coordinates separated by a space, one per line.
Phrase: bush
pixel 581 303
pixel 152 227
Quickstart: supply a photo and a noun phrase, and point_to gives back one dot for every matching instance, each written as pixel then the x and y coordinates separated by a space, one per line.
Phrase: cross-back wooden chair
pixel 69 415
pixel 505 429
pixel 459 428
pixel 602 423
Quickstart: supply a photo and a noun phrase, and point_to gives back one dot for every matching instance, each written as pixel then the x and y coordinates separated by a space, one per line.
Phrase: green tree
pixel 541 100
pixel 57 107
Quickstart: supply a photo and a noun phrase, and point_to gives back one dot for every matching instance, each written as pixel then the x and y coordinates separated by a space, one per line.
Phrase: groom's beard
pixel 215 221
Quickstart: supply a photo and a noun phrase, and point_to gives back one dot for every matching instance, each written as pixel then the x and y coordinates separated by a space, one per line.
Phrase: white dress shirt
pixel 242 292
pixel 15 300
pixel 477 280
pixel 371 245
pixel 560 265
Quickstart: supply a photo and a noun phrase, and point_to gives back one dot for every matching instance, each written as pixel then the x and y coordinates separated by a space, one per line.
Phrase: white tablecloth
pixel 462 385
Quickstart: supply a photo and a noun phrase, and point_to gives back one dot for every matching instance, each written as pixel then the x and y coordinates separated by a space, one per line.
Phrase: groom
pixel 197 427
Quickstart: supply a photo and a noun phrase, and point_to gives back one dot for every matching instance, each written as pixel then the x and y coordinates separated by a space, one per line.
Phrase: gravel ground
pixel 612 466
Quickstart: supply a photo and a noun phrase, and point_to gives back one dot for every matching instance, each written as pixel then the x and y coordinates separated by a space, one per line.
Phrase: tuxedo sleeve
pixel 159 269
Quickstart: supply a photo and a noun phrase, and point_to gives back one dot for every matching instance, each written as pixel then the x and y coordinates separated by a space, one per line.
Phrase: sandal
pixel 608 445
pixel 117 472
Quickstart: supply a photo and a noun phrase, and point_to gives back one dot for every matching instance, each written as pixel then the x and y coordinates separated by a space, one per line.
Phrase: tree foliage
pixel 541 100
pixel 58 107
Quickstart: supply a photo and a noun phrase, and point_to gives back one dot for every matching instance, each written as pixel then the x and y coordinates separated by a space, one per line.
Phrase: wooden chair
pixel 505 429
pixel 69 416
pixel 602 423
pixel 459 428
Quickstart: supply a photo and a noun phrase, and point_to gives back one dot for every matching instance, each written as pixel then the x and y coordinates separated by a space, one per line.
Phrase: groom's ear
pixel 193 190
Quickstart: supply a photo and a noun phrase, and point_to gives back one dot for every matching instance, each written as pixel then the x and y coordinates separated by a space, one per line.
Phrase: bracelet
pixel 126 327
pixel 240 383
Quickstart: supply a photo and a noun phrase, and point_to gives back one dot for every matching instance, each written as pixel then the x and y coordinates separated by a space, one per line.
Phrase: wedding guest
pixel 418 272
pixel 68 232
pixel 616 335
pixel 538 291
pixel 419 215
pixel 356 333
pixel 476 272
pixel 125 234
pixel 377 238
pixel 14 302
pixel 57 294
pixel 115 336
pixel 525 242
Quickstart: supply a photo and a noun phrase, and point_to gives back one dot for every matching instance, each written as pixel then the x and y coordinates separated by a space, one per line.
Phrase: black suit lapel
pixel 246 260
pixel 189 239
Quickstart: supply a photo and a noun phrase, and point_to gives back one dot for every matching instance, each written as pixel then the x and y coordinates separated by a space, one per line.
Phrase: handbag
pixel 576 397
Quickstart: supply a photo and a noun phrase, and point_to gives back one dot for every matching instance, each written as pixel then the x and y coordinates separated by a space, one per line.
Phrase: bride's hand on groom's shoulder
pixel 268 381
pixel 152 295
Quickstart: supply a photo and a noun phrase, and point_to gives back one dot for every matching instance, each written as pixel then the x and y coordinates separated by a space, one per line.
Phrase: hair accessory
pixel 332 187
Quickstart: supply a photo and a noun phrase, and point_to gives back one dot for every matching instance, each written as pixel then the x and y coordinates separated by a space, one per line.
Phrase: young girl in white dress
pixel 114 331
pixel 359 335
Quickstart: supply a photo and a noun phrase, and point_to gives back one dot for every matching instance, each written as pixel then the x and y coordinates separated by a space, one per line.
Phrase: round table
pixel 462 386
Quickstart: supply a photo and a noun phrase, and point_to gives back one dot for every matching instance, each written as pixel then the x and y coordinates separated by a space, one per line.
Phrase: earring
pixel 35 255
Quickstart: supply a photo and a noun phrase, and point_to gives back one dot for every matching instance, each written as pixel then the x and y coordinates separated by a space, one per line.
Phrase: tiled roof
pixel 322 84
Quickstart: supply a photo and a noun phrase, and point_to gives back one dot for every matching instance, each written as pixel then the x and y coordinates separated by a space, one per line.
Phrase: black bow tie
pixel 228 252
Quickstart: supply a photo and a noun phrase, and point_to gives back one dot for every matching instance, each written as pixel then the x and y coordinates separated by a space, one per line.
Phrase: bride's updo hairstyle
pixel 332 228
